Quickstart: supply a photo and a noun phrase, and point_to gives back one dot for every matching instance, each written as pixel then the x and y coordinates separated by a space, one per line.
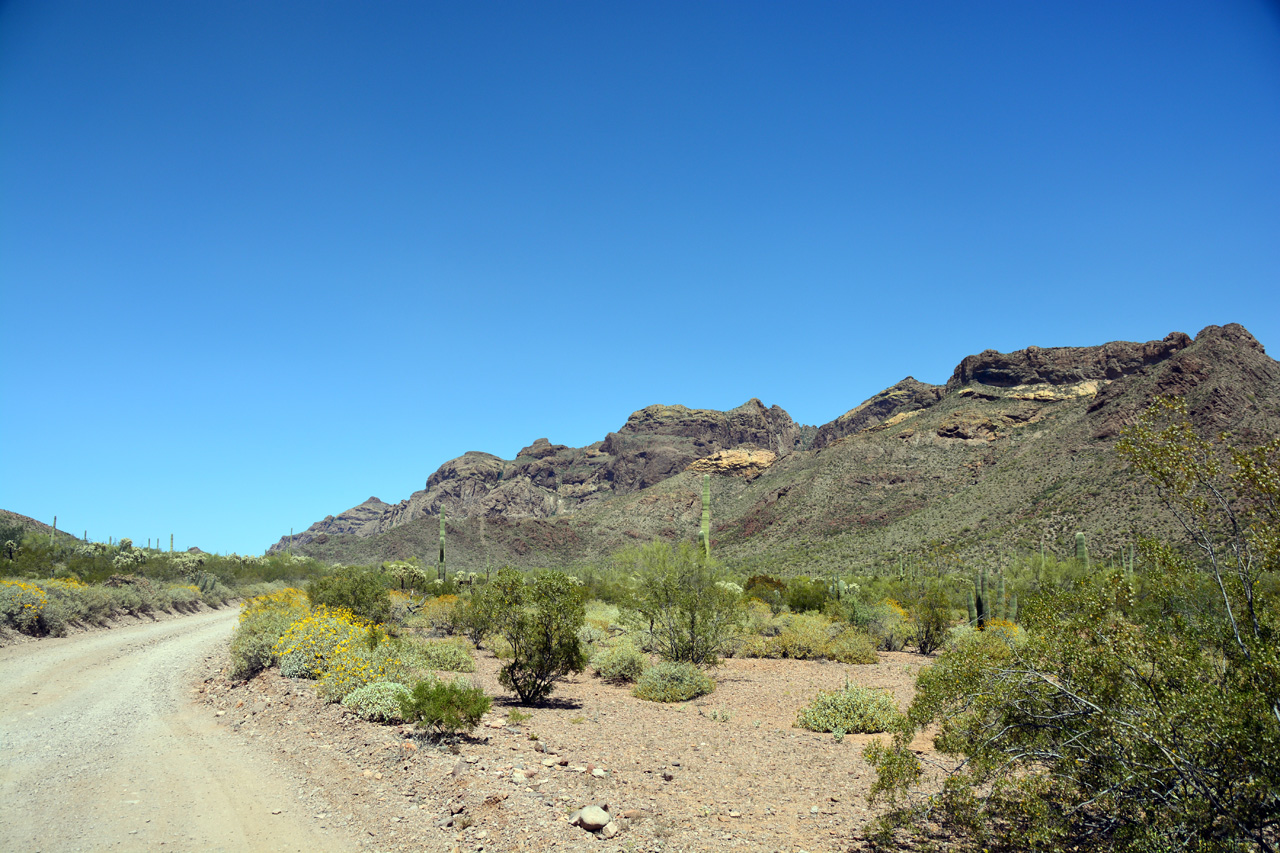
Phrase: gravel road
pixel 100 749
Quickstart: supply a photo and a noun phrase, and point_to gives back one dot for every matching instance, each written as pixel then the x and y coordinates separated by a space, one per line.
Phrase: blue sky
pixel 262 260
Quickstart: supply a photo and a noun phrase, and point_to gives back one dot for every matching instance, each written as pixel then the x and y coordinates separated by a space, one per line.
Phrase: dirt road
pixel 100 749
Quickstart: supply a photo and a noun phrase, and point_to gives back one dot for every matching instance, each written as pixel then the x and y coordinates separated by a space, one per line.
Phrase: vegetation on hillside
pixel 1138 710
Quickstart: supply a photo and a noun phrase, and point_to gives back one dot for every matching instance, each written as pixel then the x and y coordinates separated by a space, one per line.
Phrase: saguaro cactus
pixel 1082 550
pixel 704 533
pixel 441 572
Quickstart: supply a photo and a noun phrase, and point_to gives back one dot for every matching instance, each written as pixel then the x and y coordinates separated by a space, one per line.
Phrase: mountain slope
pixel 1014 453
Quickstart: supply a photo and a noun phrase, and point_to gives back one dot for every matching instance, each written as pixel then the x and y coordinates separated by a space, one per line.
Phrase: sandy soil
pixel 725 772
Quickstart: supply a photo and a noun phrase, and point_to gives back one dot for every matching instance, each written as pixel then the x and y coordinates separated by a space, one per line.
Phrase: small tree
pixel 540 619
pixel 689 607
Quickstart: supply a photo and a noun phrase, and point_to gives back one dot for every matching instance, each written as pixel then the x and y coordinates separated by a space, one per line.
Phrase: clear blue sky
pixel 262 260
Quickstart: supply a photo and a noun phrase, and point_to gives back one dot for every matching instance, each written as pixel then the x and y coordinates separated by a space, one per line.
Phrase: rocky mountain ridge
pixel 1011 441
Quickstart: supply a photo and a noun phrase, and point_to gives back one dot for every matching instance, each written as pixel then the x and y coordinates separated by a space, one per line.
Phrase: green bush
pixel 673 682
pixel 854 710
pixel 363 591
pixel 621 662
pixel 540 620
pixel 806 594
pixel 379 702
pixel 803 637
pixel 445 707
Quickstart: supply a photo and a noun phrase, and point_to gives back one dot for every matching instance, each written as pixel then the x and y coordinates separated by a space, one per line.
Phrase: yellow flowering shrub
pixel 263 621
pixel 310 643
pixel 22 605
pixel 355 662
pixel 292 602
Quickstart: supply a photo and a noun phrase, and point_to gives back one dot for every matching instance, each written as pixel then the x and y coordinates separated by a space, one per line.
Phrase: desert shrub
pixel 360 590
pixel 378 702
pixel 803 637
pixel 766 589
pixel 853 647
pixel 309 642
pixel 684 603
pixel 806 594
pixel 445 707
pixel 620 662
pixel 448 655
pixel 474 618
pixel 185 598
pixel 264 619
pixel 540 620
pixel 757 616
pixel 673 681
pixel 358 661
pixel 929 617
pixel 22 605
pixel 888 624
pixel 440 614
pixel 750 646
pixel 849 711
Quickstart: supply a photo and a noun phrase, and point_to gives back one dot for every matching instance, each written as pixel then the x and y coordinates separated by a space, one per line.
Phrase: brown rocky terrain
pixel 726 771
pixel 1014 453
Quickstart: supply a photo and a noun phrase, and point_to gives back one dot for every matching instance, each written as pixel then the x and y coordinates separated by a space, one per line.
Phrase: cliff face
pixel 547 480
pixel 1064 365
pixel 1015 450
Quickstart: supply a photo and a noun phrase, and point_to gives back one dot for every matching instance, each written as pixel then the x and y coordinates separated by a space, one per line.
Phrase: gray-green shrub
pixel 447 655
pixel 621 662
pixel 673 682
pixel 379 702
pixel 851 710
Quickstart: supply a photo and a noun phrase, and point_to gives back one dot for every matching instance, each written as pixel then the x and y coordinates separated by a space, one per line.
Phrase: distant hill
pixel 12 520
pixel 1014 453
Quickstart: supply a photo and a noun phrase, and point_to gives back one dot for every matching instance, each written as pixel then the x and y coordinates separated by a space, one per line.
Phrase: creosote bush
pixel 673 682
pixel 358 589
pixel 853 710
pixel 540 621
pixel 445 707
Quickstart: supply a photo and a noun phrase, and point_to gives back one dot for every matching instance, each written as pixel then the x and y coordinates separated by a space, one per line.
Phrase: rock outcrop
pixel 1063 365
pixel 907 396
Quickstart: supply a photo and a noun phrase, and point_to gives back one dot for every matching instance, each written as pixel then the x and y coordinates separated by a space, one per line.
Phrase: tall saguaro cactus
pixel 704 533
pixel 53 531
pixel 441 572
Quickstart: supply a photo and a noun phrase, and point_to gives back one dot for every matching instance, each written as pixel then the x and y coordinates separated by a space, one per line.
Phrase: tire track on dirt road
pixel 100 749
